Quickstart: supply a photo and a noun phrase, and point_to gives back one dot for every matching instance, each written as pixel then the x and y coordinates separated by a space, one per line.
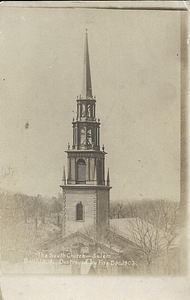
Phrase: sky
pixel 135 71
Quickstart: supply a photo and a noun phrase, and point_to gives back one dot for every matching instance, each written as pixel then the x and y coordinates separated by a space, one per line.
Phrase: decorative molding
pixel 85 154
pixel 85 187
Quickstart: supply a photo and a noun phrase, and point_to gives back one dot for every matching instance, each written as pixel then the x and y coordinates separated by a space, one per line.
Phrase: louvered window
pixel 81 171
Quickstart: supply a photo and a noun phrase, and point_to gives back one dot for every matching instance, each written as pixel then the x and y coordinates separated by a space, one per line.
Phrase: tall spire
pixel 87 86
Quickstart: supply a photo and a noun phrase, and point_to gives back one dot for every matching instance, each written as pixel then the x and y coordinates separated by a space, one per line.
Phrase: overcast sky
pixel 135 69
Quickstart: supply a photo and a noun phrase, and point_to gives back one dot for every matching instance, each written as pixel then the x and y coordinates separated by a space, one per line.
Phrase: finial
pixel 103 148
pixel 86 30
pixel 73 119
pixel 68 146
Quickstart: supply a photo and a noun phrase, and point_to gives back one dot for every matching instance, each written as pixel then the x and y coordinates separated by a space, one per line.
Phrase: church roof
pixel 74 239
pixel 87 85
pixel 134 231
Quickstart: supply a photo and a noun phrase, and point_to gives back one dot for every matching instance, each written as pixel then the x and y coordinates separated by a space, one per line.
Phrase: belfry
pixel 86 193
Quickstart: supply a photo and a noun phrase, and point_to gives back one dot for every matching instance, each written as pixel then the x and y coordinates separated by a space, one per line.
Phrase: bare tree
pixel 154 245
pixel 118 210
pixel 153 226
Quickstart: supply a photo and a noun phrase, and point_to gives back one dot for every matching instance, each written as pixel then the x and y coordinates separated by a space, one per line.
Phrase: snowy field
pixel 41 287
pixel 37 287
pixel 46 287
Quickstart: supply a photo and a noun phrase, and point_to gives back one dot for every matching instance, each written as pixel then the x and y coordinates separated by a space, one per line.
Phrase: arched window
pixel 79 211
pixel 81 171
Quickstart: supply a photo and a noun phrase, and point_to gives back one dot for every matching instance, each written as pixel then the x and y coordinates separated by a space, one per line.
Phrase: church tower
pixel 85 191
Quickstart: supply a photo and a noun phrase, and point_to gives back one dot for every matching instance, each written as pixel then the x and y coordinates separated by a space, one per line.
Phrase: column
pixel 87 169
pixel 68 169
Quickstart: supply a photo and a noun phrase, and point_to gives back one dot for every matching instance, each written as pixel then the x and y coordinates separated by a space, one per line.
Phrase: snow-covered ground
pixel 46 287
pixel 50 287
pixel 34 287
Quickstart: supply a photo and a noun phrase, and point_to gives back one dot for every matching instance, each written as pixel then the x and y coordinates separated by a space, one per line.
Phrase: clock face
pixel 82 136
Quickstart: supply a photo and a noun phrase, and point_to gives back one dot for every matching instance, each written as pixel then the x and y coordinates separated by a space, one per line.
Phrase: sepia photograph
pixel 94 159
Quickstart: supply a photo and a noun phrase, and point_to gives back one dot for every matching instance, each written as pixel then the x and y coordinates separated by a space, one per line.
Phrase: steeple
pixel 86 128
pixel 85 191
pixel 87 86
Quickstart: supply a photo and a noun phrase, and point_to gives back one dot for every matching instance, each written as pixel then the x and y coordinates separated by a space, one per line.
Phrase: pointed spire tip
pixel 87 86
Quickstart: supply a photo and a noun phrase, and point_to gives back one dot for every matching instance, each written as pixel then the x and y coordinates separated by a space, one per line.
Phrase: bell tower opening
pixel 81 171
pixel 82 136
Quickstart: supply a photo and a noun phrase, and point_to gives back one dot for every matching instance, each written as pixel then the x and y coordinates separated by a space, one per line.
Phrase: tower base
pixel 94 214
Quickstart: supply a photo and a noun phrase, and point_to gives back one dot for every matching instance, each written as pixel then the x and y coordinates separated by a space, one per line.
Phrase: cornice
pixel 85 187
